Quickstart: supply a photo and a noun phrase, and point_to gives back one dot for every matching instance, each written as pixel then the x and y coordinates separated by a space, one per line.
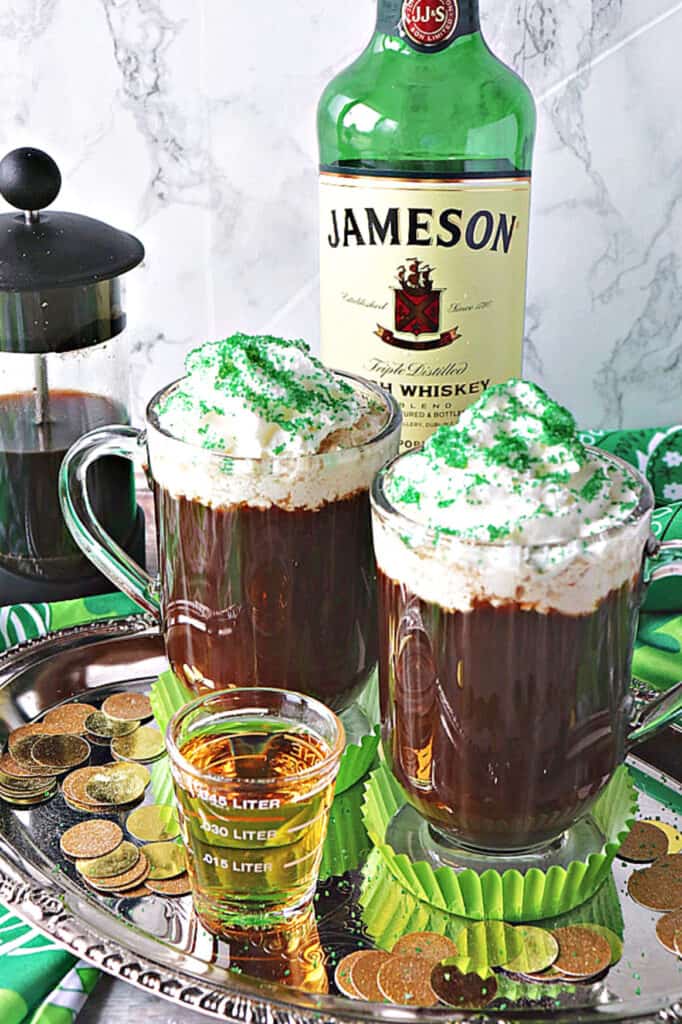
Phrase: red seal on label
pixel 430 22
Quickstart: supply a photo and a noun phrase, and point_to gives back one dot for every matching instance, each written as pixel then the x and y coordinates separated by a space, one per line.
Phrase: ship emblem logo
pixel 417 316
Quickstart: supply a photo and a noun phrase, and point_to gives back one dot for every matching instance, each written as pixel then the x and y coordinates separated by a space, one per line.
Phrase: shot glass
pixel 254 771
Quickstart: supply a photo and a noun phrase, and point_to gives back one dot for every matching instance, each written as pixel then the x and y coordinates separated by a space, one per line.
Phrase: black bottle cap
pixel 41 250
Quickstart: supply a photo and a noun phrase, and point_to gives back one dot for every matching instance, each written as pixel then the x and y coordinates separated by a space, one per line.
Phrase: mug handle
pixel 659 713
pixel 88 533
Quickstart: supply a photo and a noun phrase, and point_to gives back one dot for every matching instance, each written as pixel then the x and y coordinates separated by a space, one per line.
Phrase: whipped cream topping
pixel 512 469
pixel 259 421
pixel 253 396
pixel 509 506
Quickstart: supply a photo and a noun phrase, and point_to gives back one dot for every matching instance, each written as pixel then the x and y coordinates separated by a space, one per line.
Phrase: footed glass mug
pixel 267 571
pixel 505 716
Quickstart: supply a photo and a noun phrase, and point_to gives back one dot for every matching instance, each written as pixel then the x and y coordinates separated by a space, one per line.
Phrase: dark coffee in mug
pixel 510 579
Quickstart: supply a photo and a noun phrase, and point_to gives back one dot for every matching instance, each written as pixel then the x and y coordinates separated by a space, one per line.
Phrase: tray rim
pixel 39 899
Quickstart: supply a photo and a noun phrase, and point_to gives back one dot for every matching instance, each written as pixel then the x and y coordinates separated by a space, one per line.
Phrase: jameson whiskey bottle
pixel 426 144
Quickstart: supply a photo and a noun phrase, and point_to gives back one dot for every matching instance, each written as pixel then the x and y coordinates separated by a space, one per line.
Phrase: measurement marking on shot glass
pixel 311 821
pixel 299 860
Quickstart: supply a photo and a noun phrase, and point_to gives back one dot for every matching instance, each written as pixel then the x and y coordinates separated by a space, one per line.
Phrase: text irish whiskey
pixel 426 143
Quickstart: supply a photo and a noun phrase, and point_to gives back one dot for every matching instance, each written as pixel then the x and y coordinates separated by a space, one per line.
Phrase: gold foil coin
pixel 135 876
pixel 120 860
pixel 26 787
pixel 69 718
pixel 342 976
pixel 485 944
pixel 115 784
pixel 644 843
pixel 145 744
pixel 614 941
pixel 582 952
pixel 128 707
pixel 406 981
pixel 153 823
pixel 91 839
pixel 26 801
pixel 10 767
pixel 20 743
pixel 540 950
pixel 106 728
pixel 364 971
pixel 671 862
pixel 656 888
pixel 73 789
pixel 673 834
pixel 167 860
pixel 140 892
pixel 667 927
pixel 464 991
pixel 426 945
pixel 60 751
pixel 179 886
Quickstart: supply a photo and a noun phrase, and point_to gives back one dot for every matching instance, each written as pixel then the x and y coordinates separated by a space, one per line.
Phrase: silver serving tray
pixel 156 943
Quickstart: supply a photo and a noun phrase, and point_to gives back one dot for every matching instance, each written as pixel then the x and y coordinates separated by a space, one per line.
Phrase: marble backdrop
pixel 191 123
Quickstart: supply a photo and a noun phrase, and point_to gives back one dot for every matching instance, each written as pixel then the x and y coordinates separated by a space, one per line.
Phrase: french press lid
pixel 42 249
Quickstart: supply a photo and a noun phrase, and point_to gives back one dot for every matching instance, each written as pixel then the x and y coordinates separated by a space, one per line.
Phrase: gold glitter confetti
pixel 145 744
pixel 153 823
pixel 427 945
pixel 644 843
pixel 120 860
pixel 166 860
pixel 91 839
pixel 127 707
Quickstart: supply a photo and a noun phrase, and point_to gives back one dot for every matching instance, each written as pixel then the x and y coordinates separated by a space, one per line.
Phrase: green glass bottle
pixel 426 144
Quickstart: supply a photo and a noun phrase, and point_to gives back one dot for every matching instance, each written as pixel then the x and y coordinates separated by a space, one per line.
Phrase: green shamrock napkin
pixel 40 983
pixel 658 454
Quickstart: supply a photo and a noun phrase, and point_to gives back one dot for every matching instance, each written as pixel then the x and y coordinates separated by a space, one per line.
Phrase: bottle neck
pixel 428 25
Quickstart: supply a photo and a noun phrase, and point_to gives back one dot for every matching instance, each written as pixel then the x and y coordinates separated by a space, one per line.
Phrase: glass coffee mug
pixel 267 571
pixel 505 714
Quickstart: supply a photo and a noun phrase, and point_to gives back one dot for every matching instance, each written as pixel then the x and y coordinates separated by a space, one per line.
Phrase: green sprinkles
pixel 264 374
pixel 514 451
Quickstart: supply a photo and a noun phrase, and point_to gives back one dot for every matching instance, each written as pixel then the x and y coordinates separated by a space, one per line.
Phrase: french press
pixel 63 371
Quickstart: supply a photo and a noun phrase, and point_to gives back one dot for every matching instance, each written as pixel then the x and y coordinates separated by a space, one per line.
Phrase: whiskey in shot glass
pixel 254 773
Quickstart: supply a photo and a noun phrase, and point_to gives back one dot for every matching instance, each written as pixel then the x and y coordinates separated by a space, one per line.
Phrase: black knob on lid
pixel 29 179
pixel 53 248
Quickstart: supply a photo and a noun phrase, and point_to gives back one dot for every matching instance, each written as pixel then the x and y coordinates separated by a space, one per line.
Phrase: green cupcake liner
pixel 510 896
pixel 168 695
pixel 390 911
pixel 347 843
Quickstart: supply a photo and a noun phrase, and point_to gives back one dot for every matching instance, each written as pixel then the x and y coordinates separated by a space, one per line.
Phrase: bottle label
pixel 423 287
pixel 430 24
